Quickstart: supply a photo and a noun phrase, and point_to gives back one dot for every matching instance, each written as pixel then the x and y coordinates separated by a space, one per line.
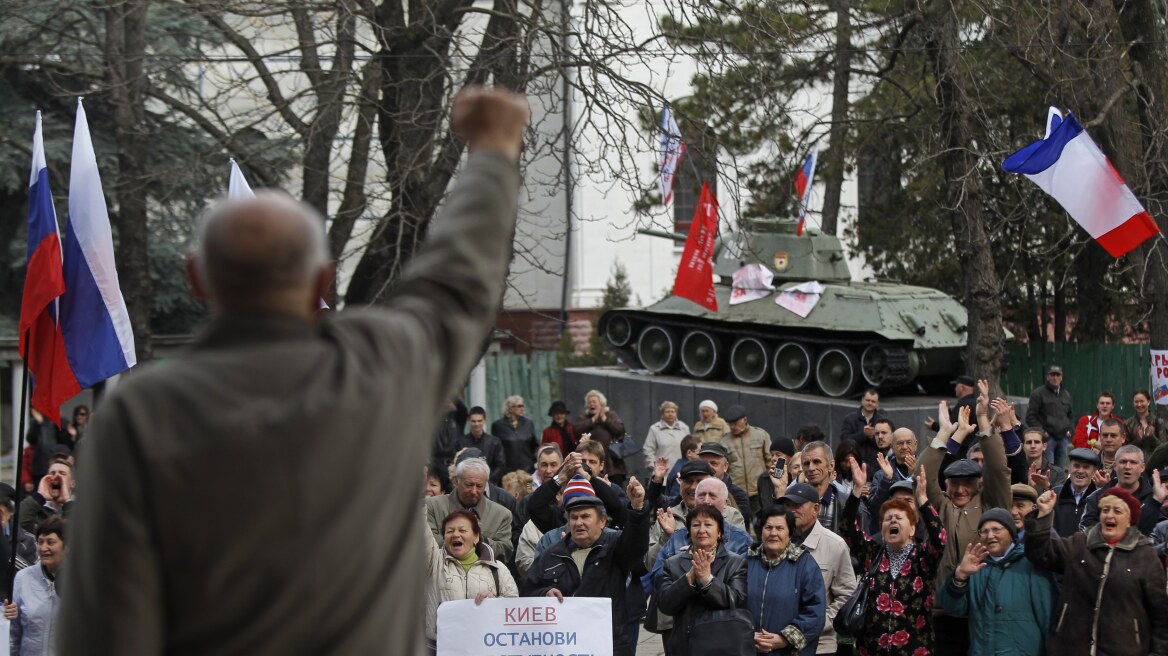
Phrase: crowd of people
pixel 993 533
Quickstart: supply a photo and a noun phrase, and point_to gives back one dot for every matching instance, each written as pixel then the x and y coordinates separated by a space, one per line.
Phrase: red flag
pixel 695 275
pixel 53 380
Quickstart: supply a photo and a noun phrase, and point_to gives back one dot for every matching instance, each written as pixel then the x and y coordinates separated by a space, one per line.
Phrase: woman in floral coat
pixel 900 598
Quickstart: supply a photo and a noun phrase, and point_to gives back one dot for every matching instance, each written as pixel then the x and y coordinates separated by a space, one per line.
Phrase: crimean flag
pixel 41 343
pixel 670 152
pixel 237 186
pixel 1068 165
pixel 695 274
pixel 803 187
pixel 94 320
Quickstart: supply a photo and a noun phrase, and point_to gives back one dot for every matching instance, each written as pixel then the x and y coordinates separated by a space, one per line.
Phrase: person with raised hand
pixel 1007 599
pixel 902 569
pixel 1113 598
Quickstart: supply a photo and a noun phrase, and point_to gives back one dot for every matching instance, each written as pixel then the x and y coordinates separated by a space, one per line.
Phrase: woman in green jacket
pixel 1009 601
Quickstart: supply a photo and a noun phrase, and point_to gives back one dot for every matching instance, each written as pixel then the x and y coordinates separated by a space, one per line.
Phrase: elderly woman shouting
pixel 902 570
pixel 1113 600
pixel 705 590
pixel 464 567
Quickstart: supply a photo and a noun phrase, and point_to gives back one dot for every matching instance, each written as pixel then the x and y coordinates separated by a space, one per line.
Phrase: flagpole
pixel 23 410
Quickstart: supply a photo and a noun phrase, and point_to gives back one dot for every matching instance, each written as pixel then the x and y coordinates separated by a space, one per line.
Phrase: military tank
pixel 858 335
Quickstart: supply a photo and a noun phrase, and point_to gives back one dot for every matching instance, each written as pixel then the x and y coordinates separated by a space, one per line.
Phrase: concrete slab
pixel 636 398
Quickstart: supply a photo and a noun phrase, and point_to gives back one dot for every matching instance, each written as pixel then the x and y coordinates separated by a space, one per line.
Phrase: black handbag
pixel 849 621
pixel 725 632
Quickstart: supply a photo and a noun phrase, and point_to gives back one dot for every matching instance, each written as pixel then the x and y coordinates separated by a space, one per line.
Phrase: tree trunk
pixel 125 47
pixel 836 155
pixel 980 286
pixel 1138 21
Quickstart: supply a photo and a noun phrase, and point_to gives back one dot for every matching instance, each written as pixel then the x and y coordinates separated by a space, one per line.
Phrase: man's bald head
pixel 713 492
pixel 263 254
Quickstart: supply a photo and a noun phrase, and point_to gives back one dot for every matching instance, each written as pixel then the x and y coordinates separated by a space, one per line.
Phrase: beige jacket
pixel 494 521
pixel 749 455
pixel 448 581
pixel 293 413
pixel 835 564
pixel 961 523
pixel 712 433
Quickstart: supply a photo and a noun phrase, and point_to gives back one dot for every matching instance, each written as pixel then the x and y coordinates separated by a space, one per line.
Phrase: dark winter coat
pixel 853 429
pixel 520 443
pixel 612 428
pixel 1068 513
pixel 608 565
pixel 1113 601
pixel 687 604
pixel 1050 410
pixel 492 450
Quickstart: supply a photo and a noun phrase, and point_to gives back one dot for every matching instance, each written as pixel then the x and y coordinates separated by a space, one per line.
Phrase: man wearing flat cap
pixel 590 562
pixel 717 456
pixel 749 451
pixel 1072 495
pixel 1050 411
pixel 969 492
pixel 964 388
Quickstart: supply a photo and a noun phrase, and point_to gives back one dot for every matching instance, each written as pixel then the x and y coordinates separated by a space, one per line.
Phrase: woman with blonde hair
pixel 601 423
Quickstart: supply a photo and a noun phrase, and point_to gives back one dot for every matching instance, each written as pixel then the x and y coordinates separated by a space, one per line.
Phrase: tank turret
pixel 858 335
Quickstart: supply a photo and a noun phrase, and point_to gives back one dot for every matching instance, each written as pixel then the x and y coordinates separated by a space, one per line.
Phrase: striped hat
pixel 579 492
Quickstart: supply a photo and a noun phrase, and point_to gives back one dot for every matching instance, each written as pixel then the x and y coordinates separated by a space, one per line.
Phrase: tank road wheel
pixel 657 347
pixel 874 365
pixel 619 330
pixel 792 366
pixel 837 372
pixel 749 359
pixel 701 354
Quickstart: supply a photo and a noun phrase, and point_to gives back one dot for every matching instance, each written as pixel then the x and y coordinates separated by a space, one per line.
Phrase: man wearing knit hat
pixel 709 427
pixel 589 562
pixel 1008 600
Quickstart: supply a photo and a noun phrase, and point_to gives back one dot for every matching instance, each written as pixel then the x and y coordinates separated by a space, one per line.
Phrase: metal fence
pixel 1088 370
pixel 536 378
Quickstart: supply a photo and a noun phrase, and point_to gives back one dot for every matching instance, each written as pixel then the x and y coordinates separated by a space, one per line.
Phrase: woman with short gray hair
pixel 517 433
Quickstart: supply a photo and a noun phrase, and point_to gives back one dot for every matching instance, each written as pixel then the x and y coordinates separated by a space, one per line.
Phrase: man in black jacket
pixel 1050 411
pixel 589 562
pixel 860 426
pixel 491 446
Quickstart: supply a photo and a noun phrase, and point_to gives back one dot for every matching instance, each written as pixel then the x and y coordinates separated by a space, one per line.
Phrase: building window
pixel 687 187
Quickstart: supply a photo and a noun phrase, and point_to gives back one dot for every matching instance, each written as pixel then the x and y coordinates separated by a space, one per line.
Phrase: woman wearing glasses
pixel 1008 599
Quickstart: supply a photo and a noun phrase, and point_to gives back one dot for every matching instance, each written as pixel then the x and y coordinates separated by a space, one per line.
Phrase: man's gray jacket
pixel 260 494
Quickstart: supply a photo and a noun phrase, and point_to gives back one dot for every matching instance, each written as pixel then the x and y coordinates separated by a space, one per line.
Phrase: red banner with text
pixel 695 275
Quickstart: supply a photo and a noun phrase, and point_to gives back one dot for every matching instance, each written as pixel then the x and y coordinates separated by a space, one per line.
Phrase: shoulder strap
pixel 495 573
pixel 875 563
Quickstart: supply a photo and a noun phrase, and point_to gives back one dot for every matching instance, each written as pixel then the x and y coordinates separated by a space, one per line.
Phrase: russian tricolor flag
pixel 41 343
pixel 1068 165
pixel 803 187
pixel 94 320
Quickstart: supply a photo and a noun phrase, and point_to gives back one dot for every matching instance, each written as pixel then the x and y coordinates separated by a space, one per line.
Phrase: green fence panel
pixel 535 378
pixel 1089 369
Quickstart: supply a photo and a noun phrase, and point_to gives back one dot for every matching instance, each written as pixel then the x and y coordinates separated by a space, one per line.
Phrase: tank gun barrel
pixel 664 234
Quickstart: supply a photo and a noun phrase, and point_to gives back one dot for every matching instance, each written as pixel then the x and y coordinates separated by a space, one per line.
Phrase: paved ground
pixel 649 644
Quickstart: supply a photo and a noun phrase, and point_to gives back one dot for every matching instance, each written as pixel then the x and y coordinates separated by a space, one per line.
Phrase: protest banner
pixel 526 626
pixel 1160 377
